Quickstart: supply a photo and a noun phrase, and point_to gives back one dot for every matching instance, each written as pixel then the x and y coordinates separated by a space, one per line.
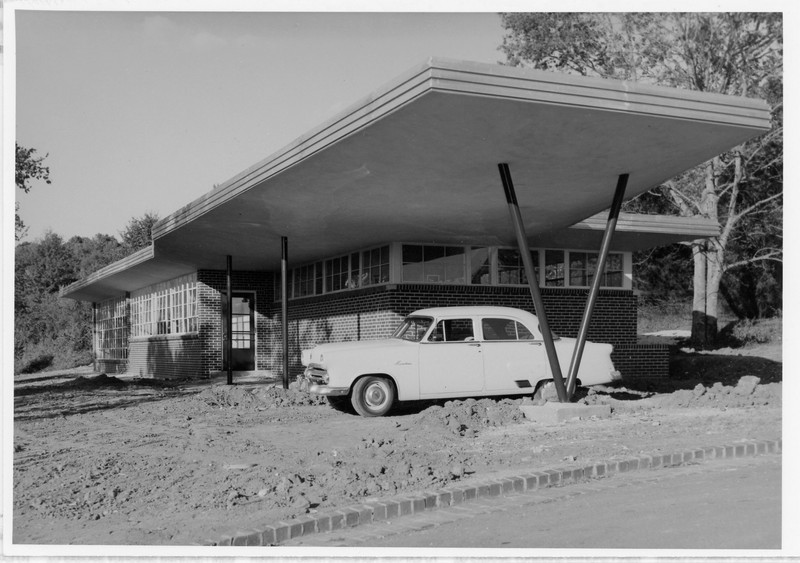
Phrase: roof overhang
pixel 633 232
pixel 417 161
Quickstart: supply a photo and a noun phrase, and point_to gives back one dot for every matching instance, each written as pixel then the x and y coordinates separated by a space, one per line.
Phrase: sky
pixel 145 111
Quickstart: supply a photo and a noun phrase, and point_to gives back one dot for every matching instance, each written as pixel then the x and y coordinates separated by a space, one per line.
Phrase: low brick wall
pixel 111 366
pixel 165 357
pixel 638 361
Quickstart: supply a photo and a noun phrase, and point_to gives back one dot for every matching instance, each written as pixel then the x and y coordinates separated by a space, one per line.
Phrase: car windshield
pixel 413 328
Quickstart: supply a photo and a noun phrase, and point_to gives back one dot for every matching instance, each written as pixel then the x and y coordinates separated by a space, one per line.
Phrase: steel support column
pixel 594 290
pixel 285 308
pixel 229 319
pixel 533 282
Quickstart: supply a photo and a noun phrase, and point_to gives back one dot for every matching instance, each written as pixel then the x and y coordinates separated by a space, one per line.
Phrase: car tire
pixel 373 395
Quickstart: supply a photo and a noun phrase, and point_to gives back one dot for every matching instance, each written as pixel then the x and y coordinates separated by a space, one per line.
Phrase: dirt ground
pixel 104 460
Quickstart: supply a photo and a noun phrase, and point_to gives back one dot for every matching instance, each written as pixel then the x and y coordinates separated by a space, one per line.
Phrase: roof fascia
pixel 692 227
pixel 139 257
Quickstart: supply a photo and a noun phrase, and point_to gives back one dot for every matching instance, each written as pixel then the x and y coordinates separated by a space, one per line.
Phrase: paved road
pixel 721 504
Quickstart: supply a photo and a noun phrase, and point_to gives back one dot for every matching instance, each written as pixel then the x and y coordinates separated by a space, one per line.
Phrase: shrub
pixel 664 315
pixel 38 363
pixel 758 331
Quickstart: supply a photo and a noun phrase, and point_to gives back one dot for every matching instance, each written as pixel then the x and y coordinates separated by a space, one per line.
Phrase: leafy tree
pixel 54 332
pixel 29 167
pixel 48 330
pixel 728 53
pixel 138 233
pixel 91 254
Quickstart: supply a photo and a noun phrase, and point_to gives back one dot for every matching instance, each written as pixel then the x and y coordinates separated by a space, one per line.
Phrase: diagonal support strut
pixel 605 245
pixel 533 283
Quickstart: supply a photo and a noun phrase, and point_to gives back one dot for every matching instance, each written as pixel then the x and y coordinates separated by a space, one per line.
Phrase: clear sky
pixel 146 111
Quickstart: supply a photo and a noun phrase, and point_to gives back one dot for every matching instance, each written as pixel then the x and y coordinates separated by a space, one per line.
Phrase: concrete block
pixel 268 535
pixel 531 481
pixel 445 498
pixel 431 499
pixel 553 413
pixel 323 523
pixel 351 516
pixel 281 531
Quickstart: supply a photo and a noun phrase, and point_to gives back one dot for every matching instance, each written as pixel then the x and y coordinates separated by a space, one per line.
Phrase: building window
pixel 440 264
pixel 511 270
pixel 554 268
pixel 306 279
pixel 339 275
pixel 433 264
pixel 111 330
pixel 165 310
pixel 375 266
pixel 480 266
pixel 583 267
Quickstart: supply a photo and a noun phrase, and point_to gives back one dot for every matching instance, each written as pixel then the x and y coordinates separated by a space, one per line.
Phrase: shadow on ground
pixel 83 394
pixel 689 368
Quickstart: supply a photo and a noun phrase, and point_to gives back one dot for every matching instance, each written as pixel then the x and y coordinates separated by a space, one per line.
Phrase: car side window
pixel 452 330
pixel 499 329
pixel 504 329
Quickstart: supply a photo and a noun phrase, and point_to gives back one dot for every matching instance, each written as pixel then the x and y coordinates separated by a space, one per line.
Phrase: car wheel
pixel 373 396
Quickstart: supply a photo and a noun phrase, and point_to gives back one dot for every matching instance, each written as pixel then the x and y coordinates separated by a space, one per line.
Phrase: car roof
pixel 482 310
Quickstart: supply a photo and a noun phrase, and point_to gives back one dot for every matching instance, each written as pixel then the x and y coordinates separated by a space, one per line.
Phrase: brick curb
pixel 415 503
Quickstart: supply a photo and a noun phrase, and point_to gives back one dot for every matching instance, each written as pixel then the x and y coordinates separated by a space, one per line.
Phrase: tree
pixel 138 233
pixel 91 254
pixel 28 167
pixel 48 330
pixel 728 53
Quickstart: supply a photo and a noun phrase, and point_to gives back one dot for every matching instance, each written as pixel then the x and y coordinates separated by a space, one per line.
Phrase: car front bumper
pixel 328 391
pixel 307 384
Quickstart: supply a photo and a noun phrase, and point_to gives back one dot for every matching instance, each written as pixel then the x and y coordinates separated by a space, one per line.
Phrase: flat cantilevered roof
pixel 416 161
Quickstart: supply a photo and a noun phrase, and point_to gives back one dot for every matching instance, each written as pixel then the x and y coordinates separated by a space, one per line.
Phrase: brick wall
pixel 641 360
pixel 165 357
pixel 371 313
pixel 374 312
pixel 110 366
pixel 211 287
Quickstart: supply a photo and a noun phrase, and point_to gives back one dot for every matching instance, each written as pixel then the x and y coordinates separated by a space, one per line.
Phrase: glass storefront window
pixel 433 264
pixel 510 269
pixel 583 267
pixel 554 268
pixel 481 266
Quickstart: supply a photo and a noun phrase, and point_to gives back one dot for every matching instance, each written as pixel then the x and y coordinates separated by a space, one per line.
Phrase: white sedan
pixel 447 352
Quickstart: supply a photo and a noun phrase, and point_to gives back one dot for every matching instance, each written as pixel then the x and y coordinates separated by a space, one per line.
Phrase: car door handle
pixel 536 343
pixel 475 344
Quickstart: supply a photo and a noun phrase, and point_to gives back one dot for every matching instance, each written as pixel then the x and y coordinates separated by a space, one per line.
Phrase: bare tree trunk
pixel 708 270
pixel 708 259
pixel 700 295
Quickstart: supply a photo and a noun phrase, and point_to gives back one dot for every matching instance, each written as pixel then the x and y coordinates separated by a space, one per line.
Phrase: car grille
pixel 317 375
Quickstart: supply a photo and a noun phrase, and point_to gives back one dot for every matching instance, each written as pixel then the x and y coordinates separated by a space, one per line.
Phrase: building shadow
pixel 82 394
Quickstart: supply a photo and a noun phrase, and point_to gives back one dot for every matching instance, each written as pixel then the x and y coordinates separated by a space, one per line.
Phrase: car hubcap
pixel 375 395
